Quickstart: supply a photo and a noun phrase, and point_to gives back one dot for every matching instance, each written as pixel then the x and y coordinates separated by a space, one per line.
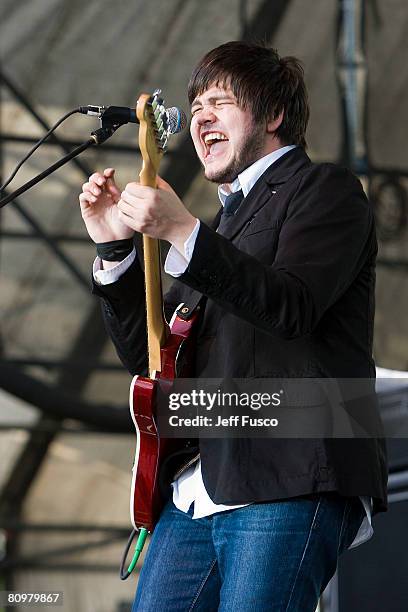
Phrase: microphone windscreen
pixel 176 119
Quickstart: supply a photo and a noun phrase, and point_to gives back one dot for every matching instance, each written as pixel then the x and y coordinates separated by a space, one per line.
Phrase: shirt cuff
pixel 106 277
pixel 176 263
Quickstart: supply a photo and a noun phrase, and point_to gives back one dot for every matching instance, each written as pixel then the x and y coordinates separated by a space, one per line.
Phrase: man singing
pixel 287 272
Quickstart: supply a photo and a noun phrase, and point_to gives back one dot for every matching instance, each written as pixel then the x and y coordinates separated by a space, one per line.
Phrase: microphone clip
pixel 103 133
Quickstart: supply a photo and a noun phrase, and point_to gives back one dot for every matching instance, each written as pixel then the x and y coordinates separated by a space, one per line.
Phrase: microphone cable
pixel 35 147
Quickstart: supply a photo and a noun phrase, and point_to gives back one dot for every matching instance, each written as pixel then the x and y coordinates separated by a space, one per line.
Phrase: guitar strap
pixel 197 299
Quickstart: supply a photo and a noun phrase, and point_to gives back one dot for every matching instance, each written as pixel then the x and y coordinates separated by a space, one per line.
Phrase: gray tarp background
pixel 65 53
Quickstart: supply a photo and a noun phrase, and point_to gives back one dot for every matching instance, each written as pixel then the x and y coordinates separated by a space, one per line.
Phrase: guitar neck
pixel 149 113
pixel 156 324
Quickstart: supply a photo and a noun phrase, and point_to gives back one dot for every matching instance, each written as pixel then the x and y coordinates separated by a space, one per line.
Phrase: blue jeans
pixel 268 557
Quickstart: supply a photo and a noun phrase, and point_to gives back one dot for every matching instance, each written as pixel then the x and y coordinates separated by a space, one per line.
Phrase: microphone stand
pixel 97 138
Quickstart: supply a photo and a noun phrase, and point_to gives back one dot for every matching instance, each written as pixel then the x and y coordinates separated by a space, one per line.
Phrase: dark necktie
pixel 230 207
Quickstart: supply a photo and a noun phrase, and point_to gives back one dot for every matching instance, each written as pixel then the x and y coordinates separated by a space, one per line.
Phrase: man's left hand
pixel 159 213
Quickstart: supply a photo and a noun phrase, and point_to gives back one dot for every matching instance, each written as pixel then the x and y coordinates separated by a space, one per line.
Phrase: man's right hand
pixel 99 210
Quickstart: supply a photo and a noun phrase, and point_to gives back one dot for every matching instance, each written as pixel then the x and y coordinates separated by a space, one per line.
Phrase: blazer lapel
pixel 277 174
pixel 216 221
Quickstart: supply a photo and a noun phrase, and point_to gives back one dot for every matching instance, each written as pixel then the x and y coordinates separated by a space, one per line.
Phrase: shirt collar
pixel 247 179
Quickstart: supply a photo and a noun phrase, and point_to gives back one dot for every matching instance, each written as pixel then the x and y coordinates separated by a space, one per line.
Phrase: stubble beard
pixel 249 152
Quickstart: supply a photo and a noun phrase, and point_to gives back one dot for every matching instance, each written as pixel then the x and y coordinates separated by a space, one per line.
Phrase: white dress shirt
pixel 189 487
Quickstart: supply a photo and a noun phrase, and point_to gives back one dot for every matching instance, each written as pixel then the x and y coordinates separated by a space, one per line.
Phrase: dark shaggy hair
pixel 261 81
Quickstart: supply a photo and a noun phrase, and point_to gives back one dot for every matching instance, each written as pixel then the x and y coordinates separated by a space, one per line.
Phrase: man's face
pixel 225 136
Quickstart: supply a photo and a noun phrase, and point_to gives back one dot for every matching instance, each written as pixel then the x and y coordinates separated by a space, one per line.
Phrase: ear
pixel 273 124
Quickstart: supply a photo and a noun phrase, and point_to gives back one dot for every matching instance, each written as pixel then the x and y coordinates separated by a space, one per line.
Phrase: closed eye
pixel 224 103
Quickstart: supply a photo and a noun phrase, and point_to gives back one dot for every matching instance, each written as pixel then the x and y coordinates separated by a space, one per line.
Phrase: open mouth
pixel 214 142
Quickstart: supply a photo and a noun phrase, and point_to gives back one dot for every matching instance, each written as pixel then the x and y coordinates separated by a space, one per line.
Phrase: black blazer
pixel 290 293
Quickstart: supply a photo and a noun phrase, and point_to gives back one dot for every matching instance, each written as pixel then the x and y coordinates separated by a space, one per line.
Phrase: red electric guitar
pixel 164 341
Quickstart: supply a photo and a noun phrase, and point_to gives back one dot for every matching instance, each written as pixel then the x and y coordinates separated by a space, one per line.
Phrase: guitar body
pixel 151 450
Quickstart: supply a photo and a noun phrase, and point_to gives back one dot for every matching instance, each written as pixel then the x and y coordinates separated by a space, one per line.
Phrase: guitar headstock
pixel 153 134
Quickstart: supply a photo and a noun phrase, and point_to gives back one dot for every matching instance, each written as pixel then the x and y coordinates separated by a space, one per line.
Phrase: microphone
pixel 119 115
